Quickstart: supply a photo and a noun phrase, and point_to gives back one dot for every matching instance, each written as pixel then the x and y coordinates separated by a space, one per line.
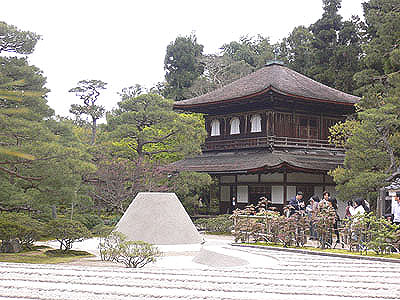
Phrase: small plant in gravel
pixel 137 254
pixel 134 254
pixel 110 246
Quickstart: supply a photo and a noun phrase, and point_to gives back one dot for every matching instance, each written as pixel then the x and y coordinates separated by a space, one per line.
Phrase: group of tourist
pixel 357 207
pixel 311 209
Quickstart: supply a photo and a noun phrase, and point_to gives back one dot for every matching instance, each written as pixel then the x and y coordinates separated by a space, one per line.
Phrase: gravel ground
pixel 215 270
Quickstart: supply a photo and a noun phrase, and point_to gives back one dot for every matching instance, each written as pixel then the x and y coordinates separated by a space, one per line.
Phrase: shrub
pixel 369 232
pixel 269 226
pixel 323 222
pixel 220 224
pixel 67 232
pixel 90 221
pixel 18 229
pixel 137 254
pixel 134 254
pixel 110 246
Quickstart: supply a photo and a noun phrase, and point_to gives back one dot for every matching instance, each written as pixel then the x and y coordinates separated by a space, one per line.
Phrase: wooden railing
pixel 269 141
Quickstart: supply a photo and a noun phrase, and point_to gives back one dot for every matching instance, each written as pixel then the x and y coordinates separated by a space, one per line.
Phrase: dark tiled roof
pixel 244 161
pixel 271 77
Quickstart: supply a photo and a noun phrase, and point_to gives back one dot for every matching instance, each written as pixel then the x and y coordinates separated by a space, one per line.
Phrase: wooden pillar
pixel 285 200
pixel 320 126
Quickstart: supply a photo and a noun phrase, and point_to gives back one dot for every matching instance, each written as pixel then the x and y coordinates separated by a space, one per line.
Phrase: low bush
pixel 217 224
pixel 134 254
pixel 369 232
pixel 18 231
pixel 67 232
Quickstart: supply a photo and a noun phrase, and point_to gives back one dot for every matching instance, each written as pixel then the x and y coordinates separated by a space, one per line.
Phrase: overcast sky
pixel 123 42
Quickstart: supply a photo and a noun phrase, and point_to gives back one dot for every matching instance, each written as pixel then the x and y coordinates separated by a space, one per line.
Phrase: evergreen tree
pixel 296 50
pixel 335 48
pixel 182 65
pixel 55 164
pixel 373 142
pixel 254 51
pixel 89 91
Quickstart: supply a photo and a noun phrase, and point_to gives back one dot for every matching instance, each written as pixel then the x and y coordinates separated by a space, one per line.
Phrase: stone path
pixel 285 276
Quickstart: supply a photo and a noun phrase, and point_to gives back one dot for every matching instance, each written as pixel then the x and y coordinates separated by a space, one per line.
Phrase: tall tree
pixel 56 164
pixel 219 70
pixel 146 127
pixel 182 65
pixel 373 143
pixel 296 50
pixel 335 48
pixel 255 51
pixel 89 91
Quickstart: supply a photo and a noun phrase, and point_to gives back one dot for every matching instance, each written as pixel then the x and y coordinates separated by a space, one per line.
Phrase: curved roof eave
pixel 259 93
pixel 288 165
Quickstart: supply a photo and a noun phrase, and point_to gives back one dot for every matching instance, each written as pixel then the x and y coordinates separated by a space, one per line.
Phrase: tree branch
pixel 19 176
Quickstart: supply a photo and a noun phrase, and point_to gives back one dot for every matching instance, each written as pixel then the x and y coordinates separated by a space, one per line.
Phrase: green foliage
pixel 254 51
pixel 14 40
pixel 336 48
pixel 218 224
pixel 41 161
pixel 323 222
pixel 147 126
pixel 134 254
pixel 372 148
pixel 20 228
pixel 369 232
pixel 269 226
pixel 296 50
pixel 67 232
pixel 189 187
pixel 89 220
pixel 89 91
pixel 182 65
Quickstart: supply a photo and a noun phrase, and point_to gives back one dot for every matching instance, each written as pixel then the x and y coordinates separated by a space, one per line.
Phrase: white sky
pixel 123 42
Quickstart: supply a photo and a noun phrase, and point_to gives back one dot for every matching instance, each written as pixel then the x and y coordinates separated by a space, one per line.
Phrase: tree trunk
pixel 94 128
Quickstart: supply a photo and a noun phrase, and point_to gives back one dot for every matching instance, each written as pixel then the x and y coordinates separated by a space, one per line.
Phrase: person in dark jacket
pixel 297 203
pixel 332 202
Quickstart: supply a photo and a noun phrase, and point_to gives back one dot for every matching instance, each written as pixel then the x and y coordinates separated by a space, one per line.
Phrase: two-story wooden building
pixel 268 136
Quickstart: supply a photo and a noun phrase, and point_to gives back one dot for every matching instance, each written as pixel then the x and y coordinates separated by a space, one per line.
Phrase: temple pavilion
pixel 268 136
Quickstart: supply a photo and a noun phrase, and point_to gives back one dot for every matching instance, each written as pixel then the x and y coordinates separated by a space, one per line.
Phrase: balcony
pixel 269 141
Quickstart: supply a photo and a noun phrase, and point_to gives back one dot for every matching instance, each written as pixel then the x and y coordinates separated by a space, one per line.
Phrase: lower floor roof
pixel 253 161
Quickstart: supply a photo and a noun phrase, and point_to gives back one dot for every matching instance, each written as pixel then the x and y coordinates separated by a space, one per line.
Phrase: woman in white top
pixel 358 209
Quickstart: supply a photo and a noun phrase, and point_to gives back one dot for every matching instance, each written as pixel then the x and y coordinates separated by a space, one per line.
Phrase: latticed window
pixel 235 126
pixel 215 128
pixel 255 123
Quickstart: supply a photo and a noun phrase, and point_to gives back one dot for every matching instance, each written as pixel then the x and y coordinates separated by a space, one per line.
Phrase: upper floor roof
pixel 273 77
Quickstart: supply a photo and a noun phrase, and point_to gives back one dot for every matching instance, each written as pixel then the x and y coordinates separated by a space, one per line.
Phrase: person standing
pixel 313 209
pixel 233 203
pixel 396 209
pixel 359 208
pixel 324 200
pixel 347 213
pixel 333 203
pixel 297 204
